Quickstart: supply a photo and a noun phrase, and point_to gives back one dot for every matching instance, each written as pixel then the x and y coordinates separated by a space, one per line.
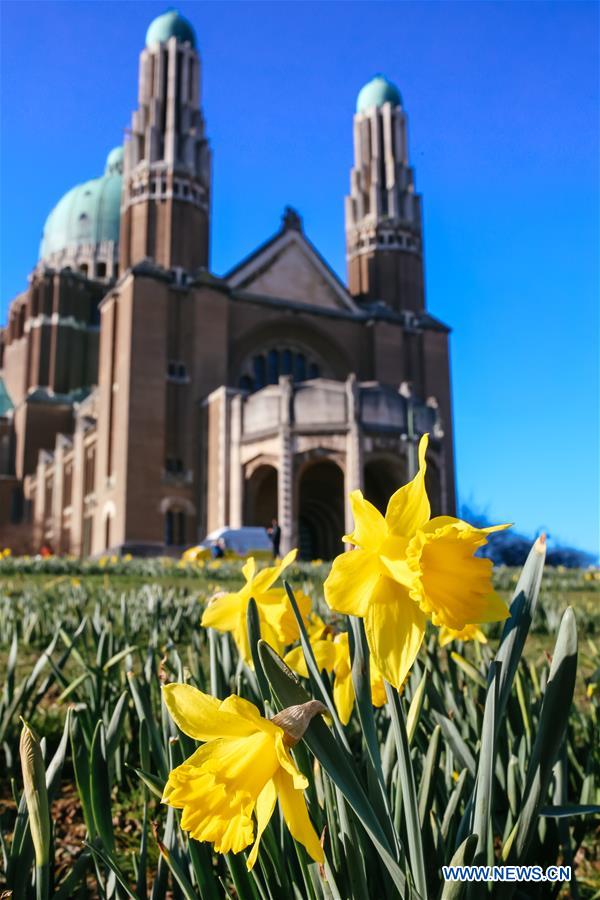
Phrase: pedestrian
pixel 274 533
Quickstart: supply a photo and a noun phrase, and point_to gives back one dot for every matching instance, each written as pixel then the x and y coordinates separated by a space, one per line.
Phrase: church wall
pixel 15 369
pixel 437 384
pixel 340 345
pixel 36 427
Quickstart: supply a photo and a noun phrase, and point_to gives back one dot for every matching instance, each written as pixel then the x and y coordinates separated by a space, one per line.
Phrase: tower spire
pixel 383 212
pixel 166 183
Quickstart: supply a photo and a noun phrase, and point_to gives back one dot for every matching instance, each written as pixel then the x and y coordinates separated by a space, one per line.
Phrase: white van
pixel 242 542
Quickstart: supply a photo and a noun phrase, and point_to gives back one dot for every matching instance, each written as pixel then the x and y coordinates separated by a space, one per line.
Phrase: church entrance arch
pixel 383 476
pixel 260 496
pixel 320 510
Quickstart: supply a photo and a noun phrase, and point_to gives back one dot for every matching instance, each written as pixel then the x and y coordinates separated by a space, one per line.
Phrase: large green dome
pixel 87 214
pixel 377 92
pixel 170 24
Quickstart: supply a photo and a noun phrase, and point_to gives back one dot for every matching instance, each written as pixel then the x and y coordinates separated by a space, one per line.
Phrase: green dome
pixel 170 24
pixel 87 214
pixel 377 92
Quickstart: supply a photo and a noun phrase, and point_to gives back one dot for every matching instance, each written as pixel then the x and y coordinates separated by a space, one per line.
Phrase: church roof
pixel 87 214
pixel 268 269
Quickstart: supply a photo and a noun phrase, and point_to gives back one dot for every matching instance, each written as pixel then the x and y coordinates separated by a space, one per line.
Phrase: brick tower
pixel 384 242
pixel 166 179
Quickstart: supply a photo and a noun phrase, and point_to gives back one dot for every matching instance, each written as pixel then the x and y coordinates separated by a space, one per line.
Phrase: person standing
pixel 274 533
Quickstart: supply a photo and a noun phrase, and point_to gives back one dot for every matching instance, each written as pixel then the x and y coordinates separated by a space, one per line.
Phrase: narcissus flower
pixel 407 568
pixel 278 625
pixel 333 655
pixel 468 633
pixel 240 772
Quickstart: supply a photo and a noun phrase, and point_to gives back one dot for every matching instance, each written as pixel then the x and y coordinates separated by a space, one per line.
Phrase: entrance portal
pixel 383 476
pixel 321 511
pixel 260 497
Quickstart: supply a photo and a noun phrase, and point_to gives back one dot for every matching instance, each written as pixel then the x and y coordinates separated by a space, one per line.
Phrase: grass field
pixel 99 638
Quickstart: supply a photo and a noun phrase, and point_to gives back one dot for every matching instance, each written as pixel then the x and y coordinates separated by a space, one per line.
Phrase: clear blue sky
pixel 503 107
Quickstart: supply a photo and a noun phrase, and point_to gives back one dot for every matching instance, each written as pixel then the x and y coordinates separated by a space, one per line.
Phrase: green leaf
pixel 468 668
pixel 332 755
pixel 409 793
pixel 568 810
pixel 484 782
pixel 464 856
pixel 253 626
pixel 81 766
pixel 456 743
pixel 516 627
pixel 414 710
pixel 550 732
pixel 100 789
pixel 118 657
pixel 430 771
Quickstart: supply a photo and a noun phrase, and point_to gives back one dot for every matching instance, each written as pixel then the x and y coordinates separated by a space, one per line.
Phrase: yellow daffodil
pixel 277 621
pixel 333 655
pixel 406 568
pixel 316 628
pixel 241 770
pixel 468 633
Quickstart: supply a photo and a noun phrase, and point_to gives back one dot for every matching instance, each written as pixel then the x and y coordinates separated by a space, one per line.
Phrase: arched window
pixel 169 528
pixel 266 368
pixel 273 366
pixel 300 367
pixel 287 362
pixel 175 528
pixel 260 374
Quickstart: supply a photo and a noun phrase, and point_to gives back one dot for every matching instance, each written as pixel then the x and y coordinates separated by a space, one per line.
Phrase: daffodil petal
pixel 395 627
pixel 343 696
pixel 351 581
pixel 286 762
pixel 408 509
pixel 266 578
pixel 199 716
pixel 295 813
pixel 223 613
pixel 296 661
pixel 468 633
pixel 370 529
pixel 249 568
pixel 265 804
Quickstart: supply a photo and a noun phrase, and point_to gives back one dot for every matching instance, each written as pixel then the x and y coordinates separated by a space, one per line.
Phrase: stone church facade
pixel 146 401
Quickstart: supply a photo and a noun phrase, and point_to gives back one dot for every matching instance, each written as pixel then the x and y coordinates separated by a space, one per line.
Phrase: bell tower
pixel 166 179
pixel 384 237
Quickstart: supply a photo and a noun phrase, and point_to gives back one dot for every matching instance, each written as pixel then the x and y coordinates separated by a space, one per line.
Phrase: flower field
pixel 232 730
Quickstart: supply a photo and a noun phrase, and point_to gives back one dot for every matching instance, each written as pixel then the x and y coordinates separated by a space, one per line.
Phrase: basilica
pixel 146 400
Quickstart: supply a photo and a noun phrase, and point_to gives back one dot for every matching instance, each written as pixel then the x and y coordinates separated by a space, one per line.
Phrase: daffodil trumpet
pixel 228 788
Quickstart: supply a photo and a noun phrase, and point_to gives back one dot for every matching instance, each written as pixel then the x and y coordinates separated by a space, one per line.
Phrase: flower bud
pixel 295 719
pixel 36 795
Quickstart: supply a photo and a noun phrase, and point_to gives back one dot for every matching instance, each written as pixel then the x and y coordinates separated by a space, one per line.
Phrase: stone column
pixel 285 486
pixel 39 513
pixel 236 476
pixel 77 490
pixel 354 479
pixel 57 494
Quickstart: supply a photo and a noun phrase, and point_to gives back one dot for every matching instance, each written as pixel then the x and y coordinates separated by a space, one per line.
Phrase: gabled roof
pixel 265 270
